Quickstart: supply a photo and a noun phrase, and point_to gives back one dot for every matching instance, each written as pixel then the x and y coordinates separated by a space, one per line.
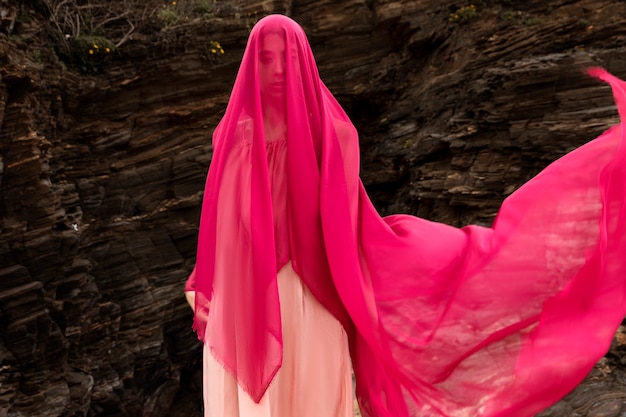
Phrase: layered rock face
pixel 102 175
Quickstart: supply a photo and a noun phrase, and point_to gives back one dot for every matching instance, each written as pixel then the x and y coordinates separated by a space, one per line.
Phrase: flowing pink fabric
pixel 500 321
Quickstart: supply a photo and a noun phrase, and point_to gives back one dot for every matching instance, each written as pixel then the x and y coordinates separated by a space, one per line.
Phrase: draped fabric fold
pixel 499 321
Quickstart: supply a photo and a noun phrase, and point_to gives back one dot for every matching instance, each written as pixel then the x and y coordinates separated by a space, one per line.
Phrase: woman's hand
pixel 191 299
pixel 202 313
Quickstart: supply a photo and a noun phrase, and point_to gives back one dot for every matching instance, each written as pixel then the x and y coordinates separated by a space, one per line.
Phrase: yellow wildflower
pixel 91 52
pixel 108 50
pixel 95 46
pixel 213 51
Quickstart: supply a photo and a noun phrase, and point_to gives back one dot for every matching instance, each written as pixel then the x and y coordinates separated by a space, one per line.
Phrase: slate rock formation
pixel 102 174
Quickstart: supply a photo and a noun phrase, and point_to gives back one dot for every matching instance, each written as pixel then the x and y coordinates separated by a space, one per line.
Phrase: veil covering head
pixel 238 252
pixel 499 321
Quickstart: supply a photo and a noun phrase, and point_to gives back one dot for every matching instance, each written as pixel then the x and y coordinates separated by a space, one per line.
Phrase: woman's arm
pixel 191 298
pixel 190 289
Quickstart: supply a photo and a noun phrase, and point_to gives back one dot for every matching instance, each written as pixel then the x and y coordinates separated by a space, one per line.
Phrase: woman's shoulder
pixel 345 130
pixel 244 122
pixel 243 132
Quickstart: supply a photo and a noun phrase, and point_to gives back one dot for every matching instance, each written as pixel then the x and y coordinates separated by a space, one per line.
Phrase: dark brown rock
pixel 101 175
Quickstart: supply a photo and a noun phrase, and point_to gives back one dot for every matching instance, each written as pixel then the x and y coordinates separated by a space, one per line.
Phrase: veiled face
pixel 272 66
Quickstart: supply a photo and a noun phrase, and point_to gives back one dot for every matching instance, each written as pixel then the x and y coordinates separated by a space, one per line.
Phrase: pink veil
pixel 499 321
pixel 237 253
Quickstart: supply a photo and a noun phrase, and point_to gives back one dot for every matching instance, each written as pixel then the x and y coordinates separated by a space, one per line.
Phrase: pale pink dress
pixel 315 377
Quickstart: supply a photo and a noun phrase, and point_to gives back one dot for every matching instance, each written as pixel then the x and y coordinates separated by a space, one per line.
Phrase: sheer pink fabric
pixel 499 321
pixel 315 378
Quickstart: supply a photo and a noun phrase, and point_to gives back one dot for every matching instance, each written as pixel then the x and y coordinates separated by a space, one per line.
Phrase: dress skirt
pixel 315 378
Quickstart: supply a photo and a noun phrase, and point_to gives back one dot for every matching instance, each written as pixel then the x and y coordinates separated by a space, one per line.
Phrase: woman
pixel 293 260
pixel 315 373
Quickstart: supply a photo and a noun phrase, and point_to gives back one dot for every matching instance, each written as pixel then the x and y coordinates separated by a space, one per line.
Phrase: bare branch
pixel 112 19
pixel 126 35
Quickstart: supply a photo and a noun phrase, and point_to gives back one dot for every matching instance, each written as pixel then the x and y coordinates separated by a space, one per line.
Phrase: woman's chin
pixel 273 97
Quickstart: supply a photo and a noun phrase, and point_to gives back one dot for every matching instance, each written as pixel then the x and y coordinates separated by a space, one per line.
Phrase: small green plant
pixel 508 15
pixel 169 14
pixel 213 51
pixel 90 53
pixel 176 11
pixel 24 18
pixel 77 25
pixel 14 38
pixel 36 55
pixel 463 14
pixel 584 23
pixel 203 9
pixel 250 18
pixel 215 48
pixel 533 21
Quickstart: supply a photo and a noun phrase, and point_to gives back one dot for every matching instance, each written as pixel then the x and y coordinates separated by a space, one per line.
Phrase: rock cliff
pixel 103 161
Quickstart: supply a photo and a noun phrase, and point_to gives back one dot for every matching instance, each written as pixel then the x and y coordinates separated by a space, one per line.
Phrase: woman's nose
pixel 280 66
